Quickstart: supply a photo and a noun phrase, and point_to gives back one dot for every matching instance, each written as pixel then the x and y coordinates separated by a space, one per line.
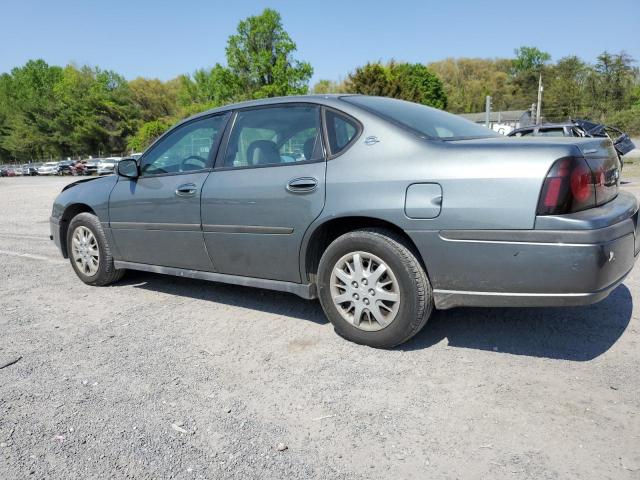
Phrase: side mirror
pixel 128 168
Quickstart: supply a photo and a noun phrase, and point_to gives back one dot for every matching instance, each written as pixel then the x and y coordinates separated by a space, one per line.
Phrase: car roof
pixel 324 99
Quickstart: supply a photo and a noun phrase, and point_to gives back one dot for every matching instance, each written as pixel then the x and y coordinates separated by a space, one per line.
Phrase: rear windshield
pixel 426 121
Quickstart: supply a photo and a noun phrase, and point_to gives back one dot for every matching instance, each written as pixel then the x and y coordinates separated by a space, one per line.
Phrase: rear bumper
pixel 575 265
pixel 445 299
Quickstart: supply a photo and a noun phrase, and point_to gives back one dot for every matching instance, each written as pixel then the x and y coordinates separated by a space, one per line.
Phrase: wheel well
pixel 329 231
pixel 70 212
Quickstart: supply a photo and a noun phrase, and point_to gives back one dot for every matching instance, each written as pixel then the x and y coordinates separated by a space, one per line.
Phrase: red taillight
pixel 552 194
pixel 582 184
pixel 569 187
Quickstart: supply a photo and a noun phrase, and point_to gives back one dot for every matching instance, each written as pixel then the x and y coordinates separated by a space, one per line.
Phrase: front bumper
pixel 579 262
pixel 54 228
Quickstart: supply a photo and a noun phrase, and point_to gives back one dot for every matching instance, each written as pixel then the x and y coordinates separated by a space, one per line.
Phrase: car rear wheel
pixel 89 251
pixel 373 288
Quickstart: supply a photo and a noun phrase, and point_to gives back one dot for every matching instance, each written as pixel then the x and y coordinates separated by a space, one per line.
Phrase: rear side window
pixel 274 136
pixel 341 131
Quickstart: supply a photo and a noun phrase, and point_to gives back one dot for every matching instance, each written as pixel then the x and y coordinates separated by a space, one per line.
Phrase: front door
pixel 267 188
pixel 155 218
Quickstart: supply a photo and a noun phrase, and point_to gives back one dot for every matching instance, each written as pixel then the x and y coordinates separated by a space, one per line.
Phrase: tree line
pixel 607 91
pixel 48 111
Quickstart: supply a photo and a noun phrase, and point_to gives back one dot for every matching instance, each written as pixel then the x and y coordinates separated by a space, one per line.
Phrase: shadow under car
pixel 566 333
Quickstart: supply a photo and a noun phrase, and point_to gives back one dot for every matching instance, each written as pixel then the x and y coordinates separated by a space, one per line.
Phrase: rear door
pixel 155 218
pixel 267 188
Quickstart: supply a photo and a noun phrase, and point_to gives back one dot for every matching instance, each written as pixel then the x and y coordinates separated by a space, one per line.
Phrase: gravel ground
pixel 160 377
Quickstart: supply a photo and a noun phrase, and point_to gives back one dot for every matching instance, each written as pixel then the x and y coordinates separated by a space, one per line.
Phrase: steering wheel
pixel 201 163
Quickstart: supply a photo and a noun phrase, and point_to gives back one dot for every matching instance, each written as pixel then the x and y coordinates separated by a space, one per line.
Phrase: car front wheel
pixel 373 288
pixel 89 251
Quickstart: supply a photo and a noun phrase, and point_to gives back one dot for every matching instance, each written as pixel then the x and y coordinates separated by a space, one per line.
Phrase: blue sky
pixel 158 38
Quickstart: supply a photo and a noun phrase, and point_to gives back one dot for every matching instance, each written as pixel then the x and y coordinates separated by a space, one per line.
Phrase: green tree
pixel 260 55
pixel 528 65
pixel 611 84
pixel 153 98
pixel 31 107
pixel 147 134
pixel 370 79
pixel 467 81
pixel 565 89
pixel 407 81
pixel 530 59
pixel 627 120
pixel 416 83
pixel 97 113
pixel 328 86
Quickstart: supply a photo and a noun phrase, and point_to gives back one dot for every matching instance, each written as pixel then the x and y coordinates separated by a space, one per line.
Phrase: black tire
pixel 106 273
pixel 416 296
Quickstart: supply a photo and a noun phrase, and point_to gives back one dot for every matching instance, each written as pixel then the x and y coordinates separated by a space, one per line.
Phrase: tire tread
pixel 109 274
pixel 410 258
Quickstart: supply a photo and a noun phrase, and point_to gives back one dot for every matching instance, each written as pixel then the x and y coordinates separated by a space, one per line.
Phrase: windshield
pixel 426 121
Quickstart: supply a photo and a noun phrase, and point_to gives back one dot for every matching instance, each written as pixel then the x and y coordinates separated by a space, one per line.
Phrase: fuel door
pixel 423 200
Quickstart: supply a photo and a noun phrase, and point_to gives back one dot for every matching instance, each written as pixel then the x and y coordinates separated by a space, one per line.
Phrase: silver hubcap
pixel 85 251
pixel 365 291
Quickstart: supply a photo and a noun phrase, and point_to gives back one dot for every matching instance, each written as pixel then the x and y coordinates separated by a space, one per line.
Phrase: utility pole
pixel 487 113
pixel 539 106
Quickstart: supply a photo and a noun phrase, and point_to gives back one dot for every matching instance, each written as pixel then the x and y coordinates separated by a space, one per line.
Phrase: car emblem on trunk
pixel 371 140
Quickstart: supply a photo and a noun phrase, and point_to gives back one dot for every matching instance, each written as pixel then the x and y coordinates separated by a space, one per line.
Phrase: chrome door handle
pixel 187 190
pixel 302 185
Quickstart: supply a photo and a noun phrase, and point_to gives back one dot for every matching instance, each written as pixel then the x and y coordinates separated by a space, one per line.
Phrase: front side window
pixel 341 130
pixel 187 148
pixel 274 135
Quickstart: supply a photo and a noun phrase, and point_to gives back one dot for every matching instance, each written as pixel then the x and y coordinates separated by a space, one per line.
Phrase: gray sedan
pixel 382 209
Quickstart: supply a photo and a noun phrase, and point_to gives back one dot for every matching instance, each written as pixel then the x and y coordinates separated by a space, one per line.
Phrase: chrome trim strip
pixel 307 291
pixel 543 237
pixel 556 244
pixel 509 294
pixel 247 229
pixel 181 227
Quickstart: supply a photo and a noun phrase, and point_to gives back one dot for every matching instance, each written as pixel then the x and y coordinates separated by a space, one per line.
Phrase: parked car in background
pixel 4 171
pixel 579 128
pixel 108 165
pixel 393 209
pixel 30 169
pixel 65 167
pixel 48 168
pixel 548 130
pixel 92 166
pixel 17 171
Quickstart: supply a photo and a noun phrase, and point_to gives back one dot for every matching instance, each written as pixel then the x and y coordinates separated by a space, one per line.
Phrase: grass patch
pixel 631 168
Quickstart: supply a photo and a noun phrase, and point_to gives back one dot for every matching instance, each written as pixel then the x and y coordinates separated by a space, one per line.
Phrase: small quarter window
pixel 341 130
